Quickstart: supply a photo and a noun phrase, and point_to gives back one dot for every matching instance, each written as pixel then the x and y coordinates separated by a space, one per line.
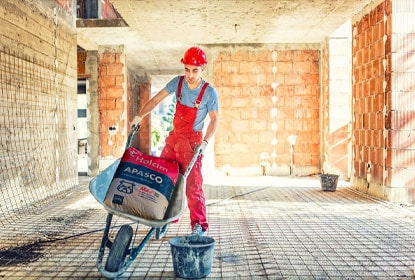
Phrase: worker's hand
pixel 136 122
pixel 201 148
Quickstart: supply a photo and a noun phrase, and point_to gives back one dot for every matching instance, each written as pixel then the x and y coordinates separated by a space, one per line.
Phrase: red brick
pixel 108 104
pixel 222 56
pixel 284 67
pixel 251 139
pixel 119 58
pixel 115 69
pixel 111 92
pixel 107 58
pixel 119 80
pixel 285 56
pixel 239 56
pixel 106 81
pixel 240 125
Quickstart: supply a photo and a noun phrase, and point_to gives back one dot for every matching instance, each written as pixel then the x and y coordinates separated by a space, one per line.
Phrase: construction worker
pixel 196 99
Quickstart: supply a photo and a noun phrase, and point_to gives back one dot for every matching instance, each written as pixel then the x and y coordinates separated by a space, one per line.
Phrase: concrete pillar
pixel 91 67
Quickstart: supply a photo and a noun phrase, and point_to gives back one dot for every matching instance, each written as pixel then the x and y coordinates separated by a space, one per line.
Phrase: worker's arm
pixel 213 124
pixel 150 105
pixel 214 119
pixel 153 102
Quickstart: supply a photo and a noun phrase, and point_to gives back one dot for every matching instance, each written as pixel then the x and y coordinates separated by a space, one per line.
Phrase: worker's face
pixel 193 73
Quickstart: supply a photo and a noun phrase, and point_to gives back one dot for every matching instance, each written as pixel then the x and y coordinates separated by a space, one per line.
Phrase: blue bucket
pixel 192 256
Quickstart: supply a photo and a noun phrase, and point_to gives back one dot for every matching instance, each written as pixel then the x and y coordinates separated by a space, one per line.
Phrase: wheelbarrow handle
pixel 133 131
pixel 192 162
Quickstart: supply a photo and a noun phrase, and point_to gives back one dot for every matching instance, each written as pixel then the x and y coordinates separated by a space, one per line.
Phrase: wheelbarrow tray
pixel 99 185
pixel 122 247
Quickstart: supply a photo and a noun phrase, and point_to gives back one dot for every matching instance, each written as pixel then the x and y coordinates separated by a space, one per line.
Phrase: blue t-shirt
pixel 209 101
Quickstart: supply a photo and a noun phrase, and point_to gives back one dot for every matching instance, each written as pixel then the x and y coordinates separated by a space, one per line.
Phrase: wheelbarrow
pixel 121 251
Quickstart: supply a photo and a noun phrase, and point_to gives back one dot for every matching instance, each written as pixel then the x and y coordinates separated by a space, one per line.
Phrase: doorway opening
pixel 82 131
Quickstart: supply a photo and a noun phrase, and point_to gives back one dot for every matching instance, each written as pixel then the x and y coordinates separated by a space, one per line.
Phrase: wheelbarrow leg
pixel 135 251
pixel 160 232
pixel 105 241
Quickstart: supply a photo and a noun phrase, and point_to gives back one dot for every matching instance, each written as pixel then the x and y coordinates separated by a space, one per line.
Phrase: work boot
pixel 197 229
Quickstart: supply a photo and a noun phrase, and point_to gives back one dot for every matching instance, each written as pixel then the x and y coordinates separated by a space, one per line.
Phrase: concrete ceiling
pixel 159 31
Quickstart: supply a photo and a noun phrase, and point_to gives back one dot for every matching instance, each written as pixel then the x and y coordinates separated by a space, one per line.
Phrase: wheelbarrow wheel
pixel 119 249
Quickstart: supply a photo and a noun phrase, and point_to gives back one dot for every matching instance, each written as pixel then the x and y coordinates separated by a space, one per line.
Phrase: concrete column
pixel 91 66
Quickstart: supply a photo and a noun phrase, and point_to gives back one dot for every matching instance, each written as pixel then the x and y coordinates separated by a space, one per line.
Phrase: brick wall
pixel 383 112
pixel 369 52
pixel 112 101
pixel 243 79
pixel 144 139
pixel 38 103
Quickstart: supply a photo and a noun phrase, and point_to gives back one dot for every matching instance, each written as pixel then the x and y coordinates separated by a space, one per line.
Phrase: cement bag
pixel 142 185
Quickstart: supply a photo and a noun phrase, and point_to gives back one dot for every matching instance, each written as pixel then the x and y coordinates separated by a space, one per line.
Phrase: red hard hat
pixel 194 56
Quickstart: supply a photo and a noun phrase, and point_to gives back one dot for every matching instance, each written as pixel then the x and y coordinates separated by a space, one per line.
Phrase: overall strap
pixel 199 98
pixel 179 88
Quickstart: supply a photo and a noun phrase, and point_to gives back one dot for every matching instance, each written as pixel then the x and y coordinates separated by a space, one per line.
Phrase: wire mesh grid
pixel 36 138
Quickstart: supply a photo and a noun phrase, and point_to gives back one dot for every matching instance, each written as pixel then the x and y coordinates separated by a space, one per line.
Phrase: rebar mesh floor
pixel 264 228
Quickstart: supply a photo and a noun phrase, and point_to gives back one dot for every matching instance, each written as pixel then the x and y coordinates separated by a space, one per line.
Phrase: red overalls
pixel 180 145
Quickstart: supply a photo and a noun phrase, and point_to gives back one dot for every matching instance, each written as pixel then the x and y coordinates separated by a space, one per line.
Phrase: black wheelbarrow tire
pixel 119 249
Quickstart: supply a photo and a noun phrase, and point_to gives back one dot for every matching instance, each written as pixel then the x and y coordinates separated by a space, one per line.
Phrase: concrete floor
pixel 264 228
